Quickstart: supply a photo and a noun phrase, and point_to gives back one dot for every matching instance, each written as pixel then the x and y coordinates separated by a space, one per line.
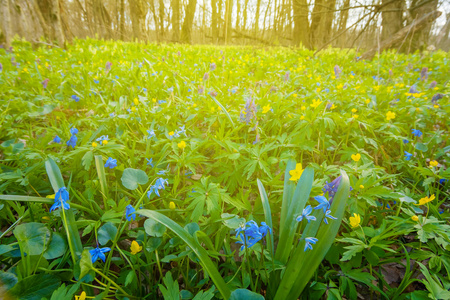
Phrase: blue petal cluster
pixel 61 198
pixel 159 185
pixel 129 213
pixel 99 253
pixel 111 163
pixel 251 233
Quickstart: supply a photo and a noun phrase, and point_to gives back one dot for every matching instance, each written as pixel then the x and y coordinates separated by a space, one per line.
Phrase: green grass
pixel 260 111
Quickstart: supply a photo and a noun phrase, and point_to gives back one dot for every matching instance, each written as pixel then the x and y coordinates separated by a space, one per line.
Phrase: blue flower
pixel 323 203
pixel 73 131
pixel 57 139
pixel 417 132
pixel 305 214
pixel 103 138
pixel 159 185
pixel 76 98
pixel 264 229
pixel 442 181
pixel 151 133
pixel 61 198
pixel 128 213
pixel 162 101
pixel 250 234
pixel 98 253
pixel 405 141
pixel 72 142
pixel 111 163
pixel 162 172
pixel 150 162
pixel 308 242
pixel 96 81
pixel 327 215
pixel 408 155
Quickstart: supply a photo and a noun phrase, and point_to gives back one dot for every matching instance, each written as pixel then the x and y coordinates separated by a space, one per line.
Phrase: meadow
pixel 145 171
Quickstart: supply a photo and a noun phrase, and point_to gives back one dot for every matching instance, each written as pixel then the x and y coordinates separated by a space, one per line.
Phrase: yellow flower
pixel 333 107
pixel 266 108
pixel 194 105
pixel 133 109
pixel 154 100
pixel 318 89
pixel 135 248
pixel 340 86
pixel 303 107
pixel 50 196
pixel 316 103
pixel 354 110
pixel 361 186
pixel 296 173
pixel 355 220
pixel 104 142
pixel 295 95
pixel 436 106
pixel 182 145
pixel 426 200
pixel 94 144
pixel 415 218
pixel 213 109
pixel 367 101
pixel 302 117
pixel 219 108
pixel 171 133
pixel 417 109
pixel 355 116
pixel 390 115
pixel 433 163
pixel 172 205
pixel 136 101
pixel 356 157
pixel 82 296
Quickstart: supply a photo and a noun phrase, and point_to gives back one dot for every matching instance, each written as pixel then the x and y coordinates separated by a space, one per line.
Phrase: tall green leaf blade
pixel 288 193
pixel 302 265
pixel 201 253
pixel 287 233
pixel 267 212
pixel 57 182
pixel 26 198
pixel 102 177
pixel 223 109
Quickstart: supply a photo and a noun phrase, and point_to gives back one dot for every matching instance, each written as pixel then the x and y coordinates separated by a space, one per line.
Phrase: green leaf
pixel 154 228
pixel 244 294
pixel 54 174
pixel 232 221
pixel 35 287
pixel 132 177
pixel 171 291
pixel 421 147
pixel 86 161
pixel 106 233
pixel 267 213
pixel 295 207
pixel 102 178
pixel 57 246
pixel 7 280
pixel 201 253
pixel 32 237
pixel 85 263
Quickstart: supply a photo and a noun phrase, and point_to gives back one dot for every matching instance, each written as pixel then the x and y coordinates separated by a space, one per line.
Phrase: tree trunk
pixel 5 22
pixel 420 37
pixel 238 17
pixel 135 14
pixel 176 20
pixel 258 8
pixel 391 20
pixel 328 21
pixel 161 18
pixel 316 17
pixel 188 20
pixel 214 23
pixel 56 23
pixel 244 24
pixel 301 24
pixel 122 20
pixel 228 26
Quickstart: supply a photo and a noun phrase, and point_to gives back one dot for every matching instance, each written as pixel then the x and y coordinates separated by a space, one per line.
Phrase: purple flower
pixel 206 76
pixel 424 74
pixel 433 84
pixel 200 89
pixel 413 90
pixel 337 71
pixel 212 66
pixel 108 66
pixel 286 76
pixel 437 97
pixel 45 82
pixel 1 68
pixel 331 188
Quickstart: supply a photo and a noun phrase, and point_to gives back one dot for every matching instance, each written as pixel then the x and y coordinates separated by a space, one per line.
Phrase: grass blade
pixel 223 109
pixel 102 178
pixel 267 212
pixel 201 253
pixel 301 196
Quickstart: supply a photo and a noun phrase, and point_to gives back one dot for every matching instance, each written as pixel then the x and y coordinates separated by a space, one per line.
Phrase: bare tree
pixel 188 20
